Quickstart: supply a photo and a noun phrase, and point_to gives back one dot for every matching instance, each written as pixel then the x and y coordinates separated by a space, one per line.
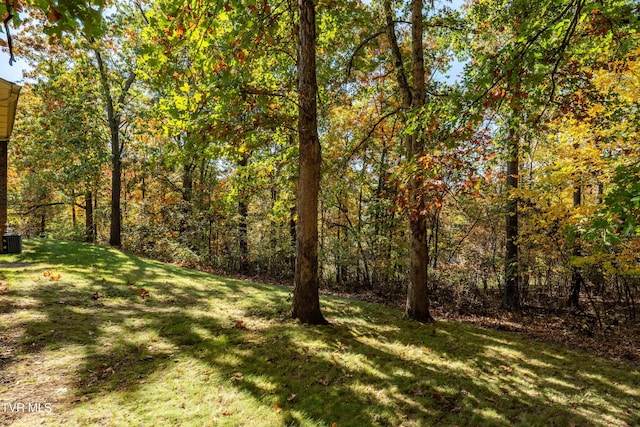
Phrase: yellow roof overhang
pixel 9 93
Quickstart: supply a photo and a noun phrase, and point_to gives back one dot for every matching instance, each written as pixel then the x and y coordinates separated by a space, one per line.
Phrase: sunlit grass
pixel 207 351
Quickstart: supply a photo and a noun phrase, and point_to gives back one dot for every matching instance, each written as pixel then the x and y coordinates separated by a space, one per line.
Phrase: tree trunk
pixel 4 178
pixel 116 187
pixel 418 294
pixel 74 219
pixel 243 213
pixel 114 121
pixel 306 298
pixel 90 228
pixel 417 306
pixel 576 276
pixel 511 296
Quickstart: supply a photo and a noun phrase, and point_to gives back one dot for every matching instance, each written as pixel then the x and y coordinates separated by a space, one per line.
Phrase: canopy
pixel 8 102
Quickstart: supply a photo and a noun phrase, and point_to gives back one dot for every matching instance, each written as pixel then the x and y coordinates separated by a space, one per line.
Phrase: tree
pixel 306 299
pixel 413 98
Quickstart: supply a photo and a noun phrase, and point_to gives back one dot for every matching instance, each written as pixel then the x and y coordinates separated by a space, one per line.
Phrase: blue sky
pixel 11 73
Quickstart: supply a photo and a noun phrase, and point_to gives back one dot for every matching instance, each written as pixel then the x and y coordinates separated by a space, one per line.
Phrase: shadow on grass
pixel 370 367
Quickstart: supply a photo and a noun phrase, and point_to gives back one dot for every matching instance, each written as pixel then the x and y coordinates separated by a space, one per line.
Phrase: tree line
pixel 393 147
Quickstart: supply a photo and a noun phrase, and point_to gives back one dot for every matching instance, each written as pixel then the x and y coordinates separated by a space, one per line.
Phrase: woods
pixel 468 156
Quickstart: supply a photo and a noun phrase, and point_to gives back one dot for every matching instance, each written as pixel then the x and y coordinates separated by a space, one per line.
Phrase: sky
pixel 11 73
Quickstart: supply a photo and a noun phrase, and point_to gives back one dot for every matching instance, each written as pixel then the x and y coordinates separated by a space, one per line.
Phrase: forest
pixel 477 158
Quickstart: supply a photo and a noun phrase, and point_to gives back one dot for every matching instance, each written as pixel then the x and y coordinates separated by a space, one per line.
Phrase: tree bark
pixel 306 298
pixel 417 307
pixel 115 238
pixel 90 228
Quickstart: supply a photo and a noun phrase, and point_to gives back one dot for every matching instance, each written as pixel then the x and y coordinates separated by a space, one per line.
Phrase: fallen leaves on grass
pixel 142 293
pixel 95 295
pixel 237 376
pixel 51 276
pixel 239 324
pixel 277 408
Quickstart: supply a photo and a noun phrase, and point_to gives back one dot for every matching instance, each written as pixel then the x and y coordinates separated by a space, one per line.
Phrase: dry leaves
pixel 239 324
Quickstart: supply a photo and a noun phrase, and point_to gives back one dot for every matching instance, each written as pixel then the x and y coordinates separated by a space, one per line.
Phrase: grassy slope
pixel 204 350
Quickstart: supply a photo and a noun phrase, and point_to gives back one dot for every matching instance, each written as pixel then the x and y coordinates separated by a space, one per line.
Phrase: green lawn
pixel 202 350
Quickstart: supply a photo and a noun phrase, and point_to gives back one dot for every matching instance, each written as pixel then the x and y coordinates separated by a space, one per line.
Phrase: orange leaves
pixel 52 276
pixel 17 6
pixel 142 293
pixel 277 408
pixel 53 14
pixel 239 324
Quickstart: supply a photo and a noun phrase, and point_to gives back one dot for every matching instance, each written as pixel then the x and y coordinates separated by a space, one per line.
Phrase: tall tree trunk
pixel 306 298
pixel 511 295
pixel 418 294
pixel 576 277
pixel 274 260
pixel 74 219
pixel 4 178
pixel 114 116
pixel 116 188
pixel 243 213
pixel 417 306
pixel 90 228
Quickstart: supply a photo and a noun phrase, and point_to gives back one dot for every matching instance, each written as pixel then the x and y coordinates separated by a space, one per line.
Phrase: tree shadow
pixel 369 367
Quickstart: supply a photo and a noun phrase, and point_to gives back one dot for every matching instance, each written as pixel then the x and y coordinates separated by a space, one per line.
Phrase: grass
pixel 202 350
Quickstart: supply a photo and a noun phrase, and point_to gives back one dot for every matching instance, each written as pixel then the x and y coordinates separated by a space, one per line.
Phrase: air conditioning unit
pixel 11 243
